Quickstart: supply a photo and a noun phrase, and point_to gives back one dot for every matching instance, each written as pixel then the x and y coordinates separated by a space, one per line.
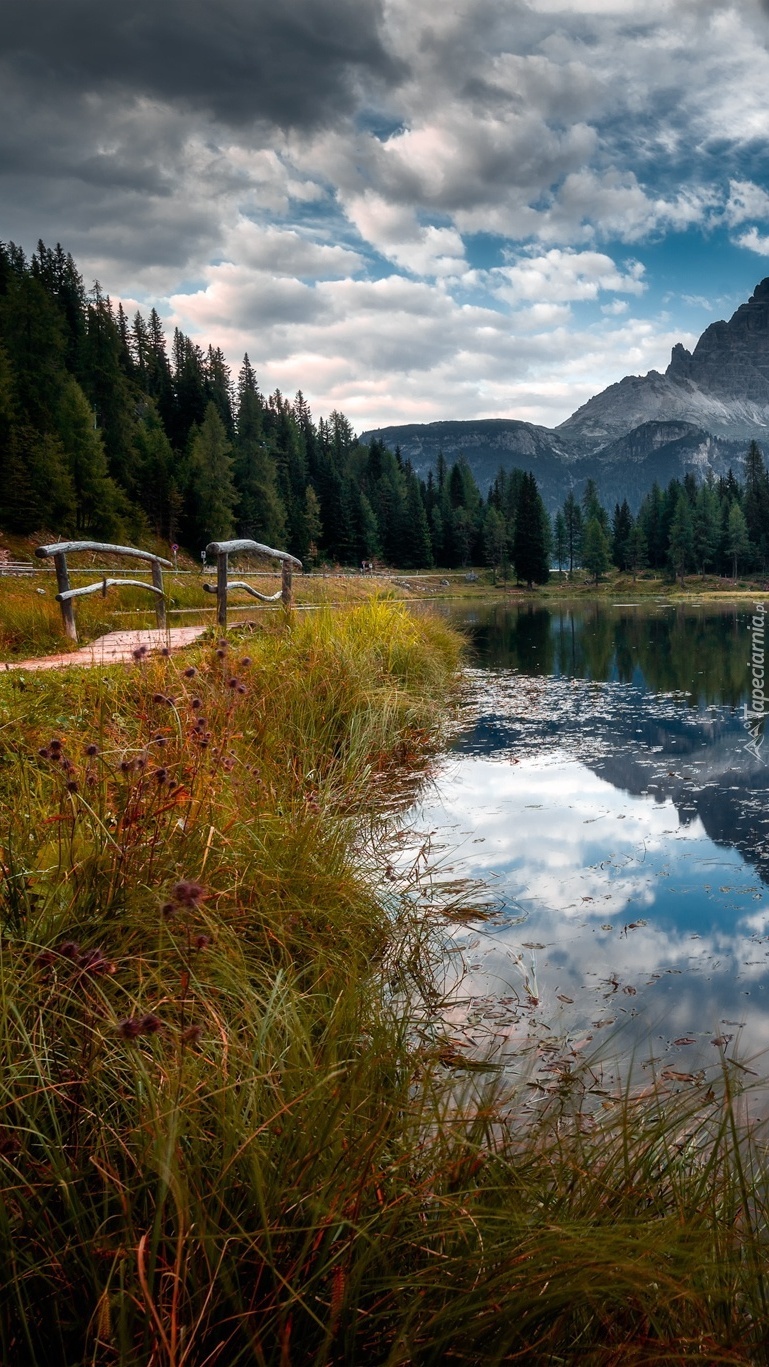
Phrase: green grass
pixel 233 1128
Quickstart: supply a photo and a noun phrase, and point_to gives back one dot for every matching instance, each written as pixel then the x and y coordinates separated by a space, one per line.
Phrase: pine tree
pixel 572 516
pixel 560 539
pixel 622 525
pixel 681 538
pixel 596 548
pixel 97 499
pixel 261 514
pixel 738 541
pixel 755 504
pixel 212 488
pixel 531 548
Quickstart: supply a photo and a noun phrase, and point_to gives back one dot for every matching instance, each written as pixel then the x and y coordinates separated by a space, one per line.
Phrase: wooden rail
pixel 61 549
pixel 223 550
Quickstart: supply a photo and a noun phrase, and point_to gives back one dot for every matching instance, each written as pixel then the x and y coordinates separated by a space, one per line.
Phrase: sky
pixel 410 211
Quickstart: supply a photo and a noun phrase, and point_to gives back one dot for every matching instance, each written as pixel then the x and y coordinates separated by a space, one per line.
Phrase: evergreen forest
pixel 111 430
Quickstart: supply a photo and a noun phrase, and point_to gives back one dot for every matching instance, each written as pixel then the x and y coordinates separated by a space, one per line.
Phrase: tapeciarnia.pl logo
pixel 755 711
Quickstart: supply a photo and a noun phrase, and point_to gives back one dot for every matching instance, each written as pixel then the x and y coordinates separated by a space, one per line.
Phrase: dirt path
pixel 114 648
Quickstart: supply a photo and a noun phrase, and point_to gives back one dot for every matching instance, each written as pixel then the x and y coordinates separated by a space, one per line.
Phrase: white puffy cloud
pixel 746 201
pixel 755 241
pixel 398 349
pixel 562 275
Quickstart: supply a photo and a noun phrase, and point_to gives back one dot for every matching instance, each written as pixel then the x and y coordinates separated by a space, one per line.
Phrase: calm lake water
pixel 601 791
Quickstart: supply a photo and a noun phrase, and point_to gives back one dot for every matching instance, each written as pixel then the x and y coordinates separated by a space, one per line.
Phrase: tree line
pixel 719 526
pixel 110 430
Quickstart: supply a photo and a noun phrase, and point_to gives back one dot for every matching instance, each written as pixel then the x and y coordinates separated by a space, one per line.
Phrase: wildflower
pixel 159 697
pixel 67 766
pixel 190 673
pixel 192 1034
pixel 140 762
pixel 232 683
pixel 91 750
pixel 43 753
pixel 54 745
pixel 172 783
pixel 221 653
pixel 242 688
pixel 169 909
pixel 159 740
pixel 196 703
pixel 126 765
pixel 45 958
pixel 202 941
pixel 94 961
pixel 69 949
pixel 130 1027
pixel 246 661
pixel 161 775
pixel 150 1024
pixel 187 893
pixel 72 786
pixel 165 651
pixel 223 643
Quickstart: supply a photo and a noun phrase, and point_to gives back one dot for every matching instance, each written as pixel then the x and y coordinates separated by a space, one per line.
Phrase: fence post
pixel 221 588
pixel 63 585
pixel 160 603
pixel 285 584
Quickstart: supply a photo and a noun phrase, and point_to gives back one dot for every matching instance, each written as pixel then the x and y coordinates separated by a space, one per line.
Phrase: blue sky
pixel 489 208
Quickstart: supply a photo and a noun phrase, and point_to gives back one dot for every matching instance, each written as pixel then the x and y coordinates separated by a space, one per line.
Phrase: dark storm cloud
pixel 297 63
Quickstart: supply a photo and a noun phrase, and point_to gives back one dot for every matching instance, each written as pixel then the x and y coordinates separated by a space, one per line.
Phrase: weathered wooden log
pixel 70 547
pixel 240 584
pixel 255 547
pixel 102 587
pixel 223 549
pixel 62 584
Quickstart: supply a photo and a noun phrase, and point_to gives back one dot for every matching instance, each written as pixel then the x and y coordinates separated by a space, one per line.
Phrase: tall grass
pixel 31 622
pixel 221 1139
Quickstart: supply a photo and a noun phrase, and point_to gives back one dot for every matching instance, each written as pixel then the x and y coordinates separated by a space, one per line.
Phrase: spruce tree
pixel 531 547
pixel 213 496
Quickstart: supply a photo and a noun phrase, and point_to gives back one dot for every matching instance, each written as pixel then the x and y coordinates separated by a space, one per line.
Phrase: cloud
pixel 754 242
pixel 746 201
pixel 397 349
pixel 296 64
pixel 263 168
pixel 566 275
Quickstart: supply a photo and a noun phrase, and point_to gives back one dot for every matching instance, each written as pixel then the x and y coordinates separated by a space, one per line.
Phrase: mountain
pixel 698 416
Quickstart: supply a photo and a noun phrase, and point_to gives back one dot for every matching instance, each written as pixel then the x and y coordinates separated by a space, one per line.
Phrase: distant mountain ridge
pixel 698 416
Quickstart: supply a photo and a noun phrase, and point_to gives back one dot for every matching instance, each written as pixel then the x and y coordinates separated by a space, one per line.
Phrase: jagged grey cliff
pixel 698 416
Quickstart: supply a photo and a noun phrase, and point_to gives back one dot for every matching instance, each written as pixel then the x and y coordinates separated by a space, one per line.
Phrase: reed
pixel 232 1128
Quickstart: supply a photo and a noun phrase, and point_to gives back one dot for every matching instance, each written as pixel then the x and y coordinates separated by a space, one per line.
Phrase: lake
pixel 600 792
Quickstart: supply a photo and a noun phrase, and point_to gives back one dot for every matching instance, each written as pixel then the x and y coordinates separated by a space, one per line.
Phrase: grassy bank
pixel 231 1128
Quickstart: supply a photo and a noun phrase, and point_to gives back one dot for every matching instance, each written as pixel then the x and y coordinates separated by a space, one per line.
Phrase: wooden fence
pixel 223 550
pixel 61 549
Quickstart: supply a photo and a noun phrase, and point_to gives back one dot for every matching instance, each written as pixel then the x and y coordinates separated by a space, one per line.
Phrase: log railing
pixel 66 593
pixel 224 549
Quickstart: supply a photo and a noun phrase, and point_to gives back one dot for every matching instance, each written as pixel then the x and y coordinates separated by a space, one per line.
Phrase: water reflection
pixel 601 786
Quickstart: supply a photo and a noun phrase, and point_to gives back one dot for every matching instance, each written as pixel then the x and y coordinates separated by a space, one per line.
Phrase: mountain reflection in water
pixel 601 787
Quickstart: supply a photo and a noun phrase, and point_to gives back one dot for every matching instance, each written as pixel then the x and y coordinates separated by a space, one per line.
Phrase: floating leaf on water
pixel 685 1039
pixel 563 998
